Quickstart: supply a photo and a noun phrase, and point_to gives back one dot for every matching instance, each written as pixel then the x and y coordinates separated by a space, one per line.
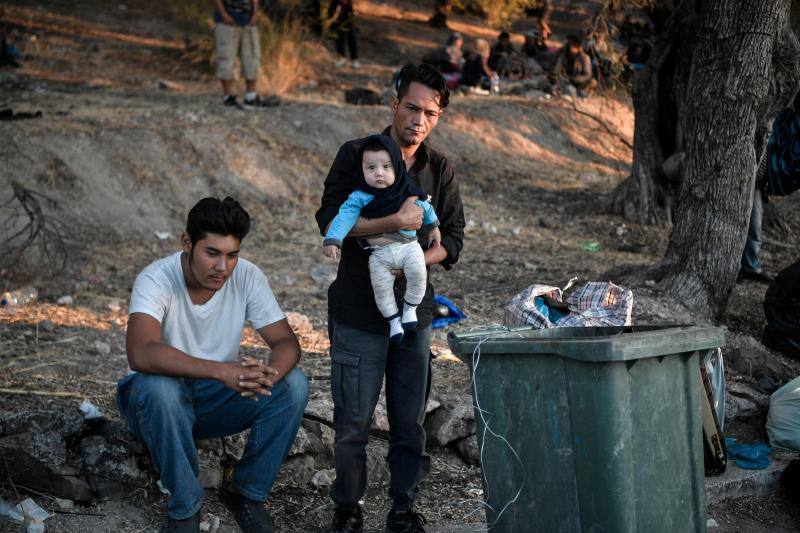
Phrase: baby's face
pixel 378 169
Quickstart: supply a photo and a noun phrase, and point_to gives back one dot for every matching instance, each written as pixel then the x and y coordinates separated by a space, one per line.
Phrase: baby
pixel 381 189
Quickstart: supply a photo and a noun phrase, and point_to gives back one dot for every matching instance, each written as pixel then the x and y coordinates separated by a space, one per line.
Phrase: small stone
pixel 322 479
pixel 297 123
pixel 65 300
pixel 516 230
pixel 113 306
pixel 102 347
pixel 711 523
pixel 620 231
pixel 47 325
pixel 650 283
pixel 64 504
pixel 81 286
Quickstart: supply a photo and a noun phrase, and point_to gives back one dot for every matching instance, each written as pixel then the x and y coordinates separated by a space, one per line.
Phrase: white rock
pixel 102 347
pixel 64 504
pixel 113 306
pixel 711 523
pixel 323 479
pixel 65 300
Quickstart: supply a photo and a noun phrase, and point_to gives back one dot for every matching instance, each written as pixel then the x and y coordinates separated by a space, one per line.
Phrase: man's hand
pixel 245 380
pixel 254 18
pixel 226 19
pixel 410 214
pixel 434 238
pixel 398 273
pixel 332 251
pixel 260 384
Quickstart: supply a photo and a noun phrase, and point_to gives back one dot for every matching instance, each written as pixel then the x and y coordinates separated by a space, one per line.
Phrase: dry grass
pixel 286 49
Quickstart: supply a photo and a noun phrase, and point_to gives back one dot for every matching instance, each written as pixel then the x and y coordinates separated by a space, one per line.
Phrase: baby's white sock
pixel 409 315
pixel 395 329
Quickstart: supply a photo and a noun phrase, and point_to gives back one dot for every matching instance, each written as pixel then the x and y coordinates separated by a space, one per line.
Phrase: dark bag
pixel 783 155
pixel 782 310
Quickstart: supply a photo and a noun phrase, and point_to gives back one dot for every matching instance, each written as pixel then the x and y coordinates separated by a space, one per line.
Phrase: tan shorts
pixel 232 39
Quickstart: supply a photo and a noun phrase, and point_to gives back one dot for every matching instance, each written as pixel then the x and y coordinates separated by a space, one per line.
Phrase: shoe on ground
pixel 355 63
pixel 347 520
pixel 404 521
pixel 762 276
pixel 251 515
pixel 187 525
pixel 340 62
pixel 231 103
pixel 257 103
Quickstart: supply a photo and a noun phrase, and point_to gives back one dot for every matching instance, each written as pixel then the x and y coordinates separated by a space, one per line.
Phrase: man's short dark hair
pixel 503 36
pixel 573 39
pixel 426 75
pixel 210 215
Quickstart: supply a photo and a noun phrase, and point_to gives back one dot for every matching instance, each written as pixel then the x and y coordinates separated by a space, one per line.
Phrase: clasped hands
pixel 250 377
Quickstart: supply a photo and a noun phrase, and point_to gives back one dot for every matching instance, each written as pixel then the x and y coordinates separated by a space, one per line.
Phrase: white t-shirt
pixel 213 330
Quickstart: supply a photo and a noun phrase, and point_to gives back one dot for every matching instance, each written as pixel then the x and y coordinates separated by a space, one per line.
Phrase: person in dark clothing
pixel 574 67
pixel 476 71
pixel 505 59
pixel 782 310
pixel 342 17
pixel 361 353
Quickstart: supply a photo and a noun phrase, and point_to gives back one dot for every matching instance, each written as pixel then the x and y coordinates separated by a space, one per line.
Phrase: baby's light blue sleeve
pixel 348 215
pixel 429 217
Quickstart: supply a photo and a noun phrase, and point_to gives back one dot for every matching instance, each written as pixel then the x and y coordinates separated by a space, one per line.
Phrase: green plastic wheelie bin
pixel 590 429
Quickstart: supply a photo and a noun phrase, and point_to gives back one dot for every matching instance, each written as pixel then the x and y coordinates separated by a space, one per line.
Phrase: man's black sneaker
pixel 404 521
pixel 762 276
pixel 258 103
pixel 230 102
pixel 187 525
pixel 347 520
pixel 251 515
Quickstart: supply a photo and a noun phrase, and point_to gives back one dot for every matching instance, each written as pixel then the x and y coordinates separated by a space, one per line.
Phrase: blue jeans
pixel 168 413
pixel 751 260
pixel 359 362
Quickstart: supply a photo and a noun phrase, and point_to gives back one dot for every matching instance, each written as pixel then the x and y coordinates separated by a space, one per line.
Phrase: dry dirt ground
pixel 123 159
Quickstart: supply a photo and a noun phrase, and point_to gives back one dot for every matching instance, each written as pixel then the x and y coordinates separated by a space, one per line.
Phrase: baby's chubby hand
pixel 332 251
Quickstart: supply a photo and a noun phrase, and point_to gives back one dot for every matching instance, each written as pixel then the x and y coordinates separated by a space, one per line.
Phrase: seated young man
pixel 187 312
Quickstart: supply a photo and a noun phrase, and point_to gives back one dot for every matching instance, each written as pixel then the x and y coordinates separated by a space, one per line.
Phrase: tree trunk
pixel 739 79
pixel 646 196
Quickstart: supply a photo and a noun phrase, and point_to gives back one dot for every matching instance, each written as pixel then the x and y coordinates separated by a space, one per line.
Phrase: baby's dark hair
pixel 426 75
pixel 210 215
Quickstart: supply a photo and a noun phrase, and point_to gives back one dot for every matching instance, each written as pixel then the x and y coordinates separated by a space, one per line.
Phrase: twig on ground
pixel 602 123
pixel 57 394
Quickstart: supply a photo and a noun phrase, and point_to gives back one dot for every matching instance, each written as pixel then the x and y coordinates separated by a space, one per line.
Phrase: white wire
pixel 476 357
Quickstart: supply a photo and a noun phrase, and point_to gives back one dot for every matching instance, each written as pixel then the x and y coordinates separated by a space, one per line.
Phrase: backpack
pixel 783 155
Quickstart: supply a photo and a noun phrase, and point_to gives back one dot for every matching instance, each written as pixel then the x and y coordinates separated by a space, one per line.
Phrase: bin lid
pixel 598 344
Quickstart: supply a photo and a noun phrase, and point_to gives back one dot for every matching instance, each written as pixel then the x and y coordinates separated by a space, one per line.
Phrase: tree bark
pixel 736 85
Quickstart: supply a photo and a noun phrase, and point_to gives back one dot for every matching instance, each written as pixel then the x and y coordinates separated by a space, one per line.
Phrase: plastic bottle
pixel 23 296
pixel 495 85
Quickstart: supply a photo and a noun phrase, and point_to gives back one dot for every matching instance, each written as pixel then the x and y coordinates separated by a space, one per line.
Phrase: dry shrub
pixel 286 49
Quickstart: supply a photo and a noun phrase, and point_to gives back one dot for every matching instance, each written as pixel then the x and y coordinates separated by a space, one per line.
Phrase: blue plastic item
pixel 455 313
pixel 751 456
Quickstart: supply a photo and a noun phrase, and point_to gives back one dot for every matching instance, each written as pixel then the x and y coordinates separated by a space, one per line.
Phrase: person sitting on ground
pixel 235 32
pixel 187 313
pixel 449 60
pixel 382 188
pixel 505 59
pixel 537 55
pixel 476 73
pixel 342 19
pixel 574 68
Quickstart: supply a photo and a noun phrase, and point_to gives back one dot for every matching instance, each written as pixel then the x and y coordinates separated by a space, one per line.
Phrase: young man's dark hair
pixel 426 75
pixel 504 36
pixel 210 215
pixel 573 40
